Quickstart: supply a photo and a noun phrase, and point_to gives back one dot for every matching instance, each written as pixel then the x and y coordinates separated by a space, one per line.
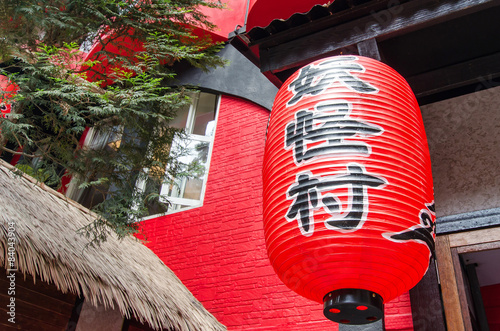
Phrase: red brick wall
pixel 218 250
pixel 491 300
pixel 398 314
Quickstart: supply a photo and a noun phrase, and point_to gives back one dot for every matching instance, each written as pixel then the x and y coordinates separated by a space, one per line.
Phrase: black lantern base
pixel 353 306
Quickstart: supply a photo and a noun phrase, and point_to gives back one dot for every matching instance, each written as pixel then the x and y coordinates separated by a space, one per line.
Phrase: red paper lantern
pixel 348 196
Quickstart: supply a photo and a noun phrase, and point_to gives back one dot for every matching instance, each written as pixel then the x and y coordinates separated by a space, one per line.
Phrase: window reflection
pixel 192 154
pixel 180 120
pixel 192 170
pixel 205 115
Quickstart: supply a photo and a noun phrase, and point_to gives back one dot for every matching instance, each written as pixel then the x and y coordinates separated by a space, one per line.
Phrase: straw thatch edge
pixel 122 273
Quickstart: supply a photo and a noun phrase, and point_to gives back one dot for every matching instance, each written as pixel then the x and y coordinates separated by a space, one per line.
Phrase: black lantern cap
pixel 353 306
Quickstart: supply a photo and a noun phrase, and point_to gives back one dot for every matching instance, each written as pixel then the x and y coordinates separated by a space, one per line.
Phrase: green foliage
pixel 123 94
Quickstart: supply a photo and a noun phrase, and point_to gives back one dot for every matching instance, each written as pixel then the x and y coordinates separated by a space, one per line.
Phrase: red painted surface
pixel 263 12
pixel 347 181
pixel 491 301
pixel 122 46
pixel 127 46
pixel 398 314
pixel 229 18
pixel 218 250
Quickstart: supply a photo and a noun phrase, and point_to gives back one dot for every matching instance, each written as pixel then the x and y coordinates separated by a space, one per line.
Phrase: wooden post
pixel 459 276
pixel 369 48
pixel 448 280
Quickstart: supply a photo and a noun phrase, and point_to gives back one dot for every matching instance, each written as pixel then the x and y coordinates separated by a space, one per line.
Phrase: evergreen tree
pixel 123 91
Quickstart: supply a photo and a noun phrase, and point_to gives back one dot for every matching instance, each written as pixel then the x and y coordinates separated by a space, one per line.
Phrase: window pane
pixel 96 139
pixel 180 119
pixel 192 188
pixel 194 157
pixel 204 121
pixel 191 156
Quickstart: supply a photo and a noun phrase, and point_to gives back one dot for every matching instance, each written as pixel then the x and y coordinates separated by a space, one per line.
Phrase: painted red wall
pixel 218 250
pixel 227 19
pixel 491 301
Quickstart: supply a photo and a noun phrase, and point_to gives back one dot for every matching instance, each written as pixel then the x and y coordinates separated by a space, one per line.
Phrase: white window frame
pixel 189 203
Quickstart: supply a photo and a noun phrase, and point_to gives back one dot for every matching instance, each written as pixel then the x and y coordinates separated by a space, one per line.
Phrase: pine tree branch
pixel 55 101
pixel 17 153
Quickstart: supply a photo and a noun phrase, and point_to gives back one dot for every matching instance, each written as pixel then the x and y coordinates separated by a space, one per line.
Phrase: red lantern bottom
pixel 353 306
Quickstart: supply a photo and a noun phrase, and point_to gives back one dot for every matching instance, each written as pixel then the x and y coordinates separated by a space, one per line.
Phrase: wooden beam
pixel 459 275
pixel 457 75
pixel 38 306
pixel 478 247
pixel 341 12
pixel 448 281
pixel 392 21
pixel 476 237
pixel 369 48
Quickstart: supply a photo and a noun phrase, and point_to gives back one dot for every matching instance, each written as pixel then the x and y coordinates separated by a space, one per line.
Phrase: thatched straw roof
pixel 123 274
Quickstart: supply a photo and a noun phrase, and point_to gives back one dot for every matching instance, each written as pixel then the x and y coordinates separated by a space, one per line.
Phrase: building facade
pixel 212 237
pixel 218 249
pixel 444 49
